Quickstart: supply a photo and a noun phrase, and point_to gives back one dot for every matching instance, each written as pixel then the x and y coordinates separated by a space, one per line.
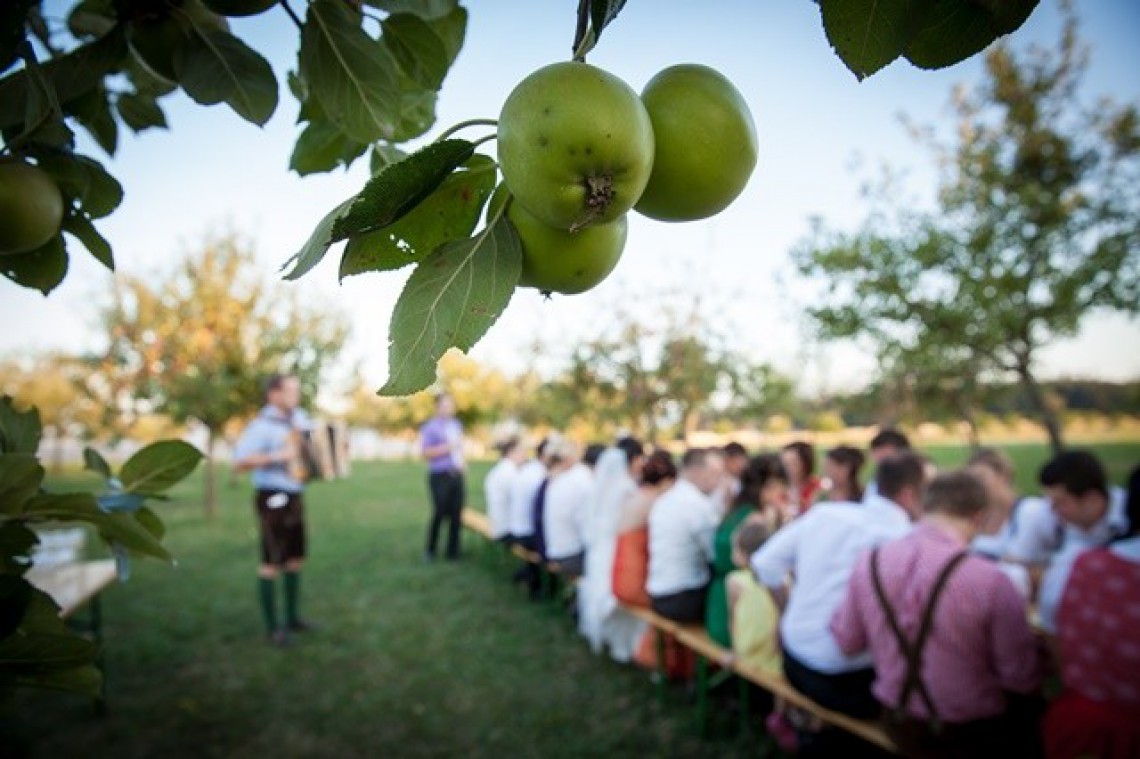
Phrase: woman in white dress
pixel 600 619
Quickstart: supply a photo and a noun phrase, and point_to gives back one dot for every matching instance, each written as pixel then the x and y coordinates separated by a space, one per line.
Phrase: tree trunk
pixel 1047 416
pixel 211 478
pixel 966 411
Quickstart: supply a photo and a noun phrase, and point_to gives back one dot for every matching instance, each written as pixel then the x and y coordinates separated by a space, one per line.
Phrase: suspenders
pixel 912 650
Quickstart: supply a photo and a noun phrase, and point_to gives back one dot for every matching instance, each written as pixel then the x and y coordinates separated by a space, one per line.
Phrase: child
pixel 753 617
pixel 754 621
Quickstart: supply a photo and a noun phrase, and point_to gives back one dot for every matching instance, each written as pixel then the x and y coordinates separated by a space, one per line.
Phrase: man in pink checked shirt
pixel 948 634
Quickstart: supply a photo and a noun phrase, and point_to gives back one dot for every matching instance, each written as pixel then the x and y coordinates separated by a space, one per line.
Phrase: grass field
pixel 413 659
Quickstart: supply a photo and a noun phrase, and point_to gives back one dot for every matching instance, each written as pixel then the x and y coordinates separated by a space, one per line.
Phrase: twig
pixel 293 15
pixel 463 125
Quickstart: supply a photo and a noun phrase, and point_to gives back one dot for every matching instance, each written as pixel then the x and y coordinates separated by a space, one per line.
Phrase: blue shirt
pixel 437 431
pixel 268 433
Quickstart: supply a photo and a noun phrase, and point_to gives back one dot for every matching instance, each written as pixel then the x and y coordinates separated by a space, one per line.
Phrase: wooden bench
pixel 696 639
pixel 480 524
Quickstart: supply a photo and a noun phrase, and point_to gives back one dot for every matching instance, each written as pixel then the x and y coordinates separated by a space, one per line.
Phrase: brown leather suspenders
pixel 912 650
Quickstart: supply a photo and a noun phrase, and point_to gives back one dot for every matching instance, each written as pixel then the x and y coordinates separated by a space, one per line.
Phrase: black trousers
pixel 447 495
pixel 685 607
pixel 846 692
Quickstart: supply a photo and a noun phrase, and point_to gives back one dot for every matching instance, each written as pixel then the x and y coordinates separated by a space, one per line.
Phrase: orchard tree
pixel 52 384
pixel 1037 225
pixel 199 344
pixel 367 78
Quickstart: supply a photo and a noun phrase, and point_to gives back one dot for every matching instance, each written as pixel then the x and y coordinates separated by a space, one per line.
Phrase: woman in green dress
pixel 763 492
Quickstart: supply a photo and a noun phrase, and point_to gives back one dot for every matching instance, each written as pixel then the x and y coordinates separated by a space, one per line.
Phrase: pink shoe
pixel 782 732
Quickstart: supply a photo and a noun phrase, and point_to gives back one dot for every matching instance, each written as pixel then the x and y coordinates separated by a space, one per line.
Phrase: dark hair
pixel 274 382
pixel 540 449
pixel 851 459
pixel 506 446
pixel 632 447
pixel 890 438
pixel 659 466
pixel 592 454
pixel 734 449
pixel 1079 472
pixel 760 471
pixel 958 494
pixel 805 452
pixel 750 535
pixel 993 459
pixel 1132 508
pixel 696 457
pixel 441 397
pixel 898 471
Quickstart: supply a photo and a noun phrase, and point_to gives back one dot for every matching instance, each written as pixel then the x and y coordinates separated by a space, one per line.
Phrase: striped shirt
pixel 980 643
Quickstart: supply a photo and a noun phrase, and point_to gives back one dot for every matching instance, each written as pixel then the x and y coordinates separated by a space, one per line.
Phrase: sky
pixel 822 134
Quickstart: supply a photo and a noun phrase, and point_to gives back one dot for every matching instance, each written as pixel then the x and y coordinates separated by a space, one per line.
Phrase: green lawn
pixel 413 660
pixel 1118 458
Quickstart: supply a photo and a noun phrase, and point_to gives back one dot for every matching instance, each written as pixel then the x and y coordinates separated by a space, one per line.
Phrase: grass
pixel 413 660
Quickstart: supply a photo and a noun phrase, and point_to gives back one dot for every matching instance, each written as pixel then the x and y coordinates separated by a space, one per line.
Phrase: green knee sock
pixel 292 591
pixel 265 588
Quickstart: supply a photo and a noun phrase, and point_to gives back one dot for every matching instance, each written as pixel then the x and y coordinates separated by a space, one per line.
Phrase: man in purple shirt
pixel 947 631
pixel 441 442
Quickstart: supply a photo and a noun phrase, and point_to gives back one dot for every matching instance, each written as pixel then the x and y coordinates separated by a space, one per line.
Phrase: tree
pixel 51 384
pixel 1037 224
pixel 362 90
pixel 199 344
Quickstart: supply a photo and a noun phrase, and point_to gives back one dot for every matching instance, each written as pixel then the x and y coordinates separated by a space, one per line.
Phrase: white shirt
pixel 497 496
pixel 1076 541
pixel 820 549
pixel 523 490
pixel 569 504
pixel 681 528
pixel 1035 532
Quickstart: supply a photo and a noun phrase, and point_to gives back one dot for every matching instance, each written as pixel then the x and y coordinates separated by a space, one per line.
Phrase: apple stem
pixel 463 125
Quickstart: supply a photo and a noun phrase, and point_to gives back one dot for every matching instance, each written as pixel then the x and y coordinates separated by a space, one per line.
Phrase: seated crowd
pixel 941 603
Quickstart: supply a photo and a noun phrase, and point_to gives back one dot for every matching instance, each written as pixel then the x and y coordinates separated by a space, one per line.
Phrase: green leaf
pixel 343 69
pixel 401 187
pixel 317 245
pixel 93 111
pixel 84 179
pixel 451 300
pixel 383 155
pixel 71 75
pixel 423 8
pixel 869 34
pixel 417 48
pixel 452 30
pixel 151 522
pixel 40 269
pixel 12 16
pixel 450 213
pixel 323 147
pixel 16 544
pixel 20 431
pixel 140 112
pixel 86 680
pixel 81 507
pixel 956 29
pixel 15 595
pixel 93 461
pixel 159 466
pixel 602 14
pixel 81 228
pixel 46 651
pixel 218 67
pixel 20 478
pixel 91 18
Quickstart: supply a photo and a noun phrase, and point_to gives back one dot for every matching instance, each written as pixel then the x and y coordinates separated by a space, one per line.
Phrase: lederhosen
pixel 281 526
